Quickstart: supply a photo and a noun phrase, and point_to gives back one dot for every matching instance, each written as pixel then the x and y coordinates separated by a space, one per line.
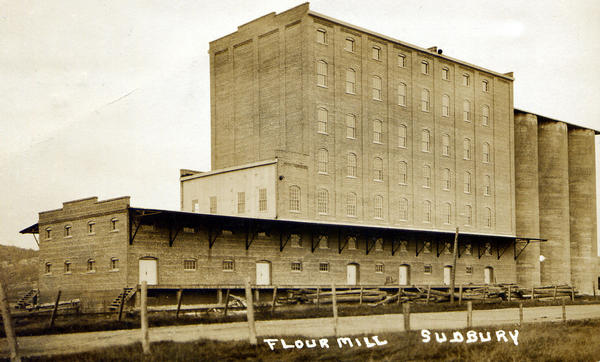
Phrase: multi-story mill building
pixel 339 154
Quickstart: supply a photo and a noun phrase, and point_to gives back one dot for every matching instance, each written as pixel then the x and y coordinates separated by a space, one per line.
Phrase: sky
pixel 111 98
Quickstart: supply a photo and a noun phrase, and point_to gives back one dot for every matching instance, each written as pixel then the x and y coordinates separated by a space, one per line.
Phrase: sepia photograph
pixel 278 180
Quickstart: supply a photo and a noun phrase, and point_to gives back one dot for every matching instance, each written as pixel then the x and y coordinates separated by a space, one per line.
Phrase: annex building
pixel 342 155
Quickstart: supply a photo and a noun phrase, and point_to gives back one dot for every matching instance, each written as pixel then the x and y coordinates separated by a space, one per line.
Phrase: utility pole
pixel 453 271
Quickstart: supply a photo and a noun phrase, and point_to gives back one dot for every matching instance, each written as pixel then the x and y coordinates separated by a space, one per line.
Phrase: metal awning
pixel 33 229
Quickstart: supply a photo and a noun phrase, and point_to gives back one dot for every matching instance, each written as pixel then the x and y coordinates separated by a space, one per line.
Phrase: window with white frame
pixel 467 182
pixel 351 167
pixel 424 67
pixel 378 207
pixel 377 85
pixel 213 204
pixel 68 231
pixel 426 176
pixel 91 227
pixel 425 100
pixel 402 136
pixel 402 60
pixel 114 224
pixel 350 81
pixel 425 141
pixel 294 198
pixel 446 179
pixel 485 86
pixel 403 209
pixel 445 73
pixel 467 111
pixel 445 145
pixel 447 213
pixel 376 53
pixel 228 265
pixel 322 115
pixel 445 105
pixel 241 202
pixel 485 152
pixel 377 131
pixel 349 45
pixel 323 201
pixel 189 264
pixel 323 160
pixel 321 36
pixel 350 126
pixel 351 204
pixel 466 80
pixel 488 217
pixel 379 268
pixel 426 211
pixel 322 73
pixel 323 266
pixel 485 115
pixel 378 169
pixel 467 149
pixel 296 266
pixel 262 199
pixel 468 215
pixel 487 185
pixel 402 173
pixel 427 269
pixel 402 94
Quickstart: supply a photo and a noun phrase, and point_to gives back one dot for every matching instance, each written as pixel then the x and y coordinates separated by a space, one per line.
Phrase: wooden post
pixel 564 311
pixel 469 314
pixel 250 313
pixel 520 314
pixel 256 295
pixel 555 288
pixel 144 318
pixel 335 311
pixel 361 295
pixel 428 293
pixel 226 303
pixel 399 293
pixel 406 317
pixel 122 303
pixel 8 326
pixel 453 271
pixel 532 292
pixel 179 299
pixel 510 293
pixel 460 294
pixel 318 297
pixel 55 310
pixel 572 293
pixel 219 296
pixel 274 300
pixel 485 292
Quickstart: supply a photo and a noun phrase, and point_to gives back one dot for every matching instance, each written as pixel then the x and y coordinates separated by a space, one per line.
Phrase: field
pixel 573 341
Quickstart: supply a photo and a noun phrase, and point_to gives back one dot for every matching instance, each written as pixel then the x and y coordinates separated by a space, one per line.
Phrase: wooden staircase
pixel 28 299
pixel 125 295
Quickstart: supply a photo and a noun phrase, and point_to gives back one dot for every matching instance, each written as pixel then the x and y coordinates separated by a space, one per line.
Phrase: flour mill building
pixel 342 155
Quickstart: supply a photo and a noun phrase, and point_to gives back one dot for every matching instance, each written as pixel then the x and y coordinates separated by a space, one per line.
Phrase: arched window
pixel 425 100
pixel 351 204
pixel 467 111
pixel 447 213
pixel 485 115
pixel 487 185
pixel 377 131
pixel 467 186
pixel 488 217
pixel 402 136
pixel 377 88
pixel 378 169
pixel 468 215
pixel 403 209
pixel 350 81
pixel 349 45
pixel 295 198
pixel 445 105
pixel 402 173
pixel 322 73
pixel 323 160
pixel 323 202
pixel 485 151
pixel 426 176
pixel 426 211
pixel 402 94
pixel 350 126
pixel 351 167
pixel 445 145
pixel 446 181
pixel 425 141
pixel 322 116
pixel 378 207
pixel 467 149
pixel 321 36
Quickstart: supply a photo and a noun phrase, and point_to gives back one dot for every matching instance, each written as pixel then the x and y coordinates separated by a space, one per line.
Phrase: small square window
pixel 379 268
pixel 189 264
pixel 324 267
pixel 296 266
pixel 228 265
pixel 469 269
pixel 427 269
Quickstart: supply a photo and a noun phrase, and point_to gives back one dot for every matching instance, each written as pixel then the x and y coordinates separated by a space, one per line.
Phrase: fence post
pixel 520 314
pixel 572 293
pixel 219 296
pixel 318 297
pixel 469 314
pixel 361 295
pixel 510 293
pixel 274 300
pixel 122 304
pixel 428 293
pixel 399 293
pixel 564 311
pixel 335 311
pixel 460 294
pixel 250 313
pixel 8 326
pixel 144 318
pixel 532 292
pixel 179 299
pixel 406 313
pixel 55 310
pixel 226 303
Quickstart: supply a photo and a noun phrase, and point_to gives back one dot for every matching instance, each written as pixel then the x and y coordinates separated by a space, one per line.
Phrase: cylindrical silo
pixel 582 208
pixel 553 166
pixel 526 197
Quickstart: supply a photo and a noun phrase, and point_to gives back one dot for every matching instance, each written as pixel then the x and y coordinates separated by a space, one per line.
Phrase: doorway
pixel 149 271
pixel 447 274
pixel 404 275
pixel 263 273
pixel 352 274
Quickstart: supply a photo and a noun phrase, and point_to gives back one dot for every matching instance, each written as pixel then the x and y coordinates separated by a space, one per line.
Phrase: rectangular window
pixel 189 230
pixel 445 73
pixel 485 86
pixel 376 53
pixel 296 266
pixel 195 206
pixel 349 45
pixel 424 67
pixel 113 224
pixel 401 60
pixel 427 269
pixel 241 202
pixel 379 268
pixel 323 267
pixel 67 231
pixel 262 200
pixel 114 263
pixel 91 266
pixel 91 226
pixel 466 80
pixel 213 204
pixel 228 265
pixel 67 266
pixel 321 36
pixel 189 264
pixel 48 233
pixel 321 73
pixel 48 268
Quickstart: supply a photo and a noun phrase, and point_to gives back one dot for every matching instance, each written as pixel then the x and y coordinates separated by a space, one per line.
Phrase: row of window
pixel 351 207
pixel 90 266
pixel 425 65
pixel 91 228
pixel 241 202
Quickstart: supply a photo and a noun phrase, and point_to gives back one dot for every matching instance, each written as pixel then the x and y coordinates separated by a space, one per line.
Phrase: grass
pixel 38 325
pixel 573 341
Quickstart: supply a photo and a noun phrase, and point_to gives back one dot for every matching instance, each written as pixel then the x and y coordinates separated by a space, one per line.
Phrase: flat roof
pixel 228 169
pixel 596 131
